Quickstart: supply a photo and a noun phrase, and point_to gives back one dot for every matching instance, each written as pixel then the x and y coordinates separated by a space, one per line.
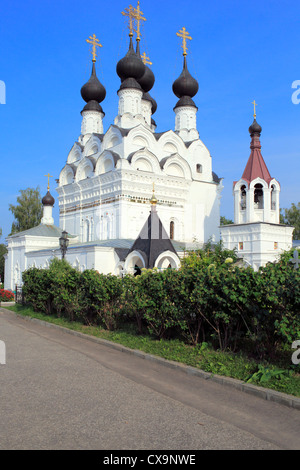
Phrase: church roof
pixel 152 240
pixel 41 231
pixel 256 166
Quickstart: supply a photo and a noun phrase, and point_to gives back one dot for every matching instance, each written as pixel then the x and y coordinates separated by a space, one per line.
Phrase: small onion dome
pixel 255 128
pixel 130 83
pixel 93 106
pixel 153 200
pixel 147 80
pixel 93 90
pixel 185 86
pixel 131 66
pixel 48 200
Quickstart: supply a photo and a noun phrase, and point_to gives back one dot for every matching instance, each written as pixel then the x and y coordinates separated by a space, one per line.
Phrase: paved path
pixel 59 391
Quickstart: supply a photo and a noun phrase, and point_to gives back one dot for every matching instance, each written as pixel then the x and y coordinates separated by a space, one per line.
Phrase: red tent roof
pixel 256 167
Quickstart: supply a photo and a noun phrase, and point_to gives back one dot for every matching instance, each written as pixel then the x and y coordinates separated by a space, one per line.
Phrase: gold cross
pixel 254 104
pixel 137 14
pixel 49 176
pixel 130 13
pixel 182 33
pixel 95 43
pixel 145 59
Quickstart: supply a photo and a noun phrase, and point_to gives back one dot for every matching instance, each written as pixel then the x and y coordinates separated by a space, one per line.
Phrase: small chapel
pixel 131 198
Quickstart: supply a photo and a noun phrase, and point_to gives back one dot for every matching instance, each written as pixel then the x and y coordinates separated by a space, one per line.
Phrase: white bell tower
pixel 257 233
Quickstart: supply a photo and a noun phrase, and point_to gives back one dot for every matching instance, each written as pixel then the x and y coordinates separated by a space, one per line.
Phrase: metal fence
pixel 19 297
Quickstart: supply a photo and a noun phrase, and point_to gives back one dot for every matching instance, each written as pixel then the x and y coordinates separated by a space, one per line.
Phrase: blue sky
pixel 240 51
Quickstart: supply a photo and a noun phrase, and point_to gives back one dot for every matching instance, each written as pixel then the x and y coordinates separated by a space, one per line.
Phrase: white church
pixel 104 189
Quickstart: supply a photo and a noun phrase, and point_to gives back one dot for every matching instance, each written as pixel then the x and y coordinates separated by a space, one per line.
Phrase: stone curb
pixel 260 392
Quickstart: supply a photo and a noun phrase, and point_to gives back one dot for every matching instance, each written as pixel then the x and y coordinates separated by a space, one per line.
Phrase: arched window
pixel 243 197
pixel 273 198
pixel 199 168
pixel 258 196
pixel 87 231
pixel 172 227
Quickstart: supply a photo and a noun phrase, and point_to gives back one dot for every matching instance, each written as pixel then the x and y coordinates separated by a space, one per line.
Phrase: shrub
pixel 37 289
pixel 153 297
pixel 100 298
pixel 64 283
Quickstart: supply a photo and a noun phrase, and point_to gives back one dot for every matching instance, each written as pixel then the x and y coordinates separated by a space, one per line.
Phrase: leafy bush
pixel 37 289
pixel 65 289
pixel 158 291
pixel 100 298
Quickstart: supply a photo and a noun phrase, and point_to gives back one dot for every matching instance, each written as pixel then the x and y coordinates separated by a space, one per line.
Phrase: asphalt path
pixel 59 391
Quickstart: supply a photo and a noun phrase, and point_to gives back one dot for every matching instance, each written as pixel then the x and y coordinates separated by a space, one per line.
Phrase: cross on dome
pixel 49 176
pixel 145 59
pixel 95 43
pixel 254 104
pixel 130 13
pixel 138 16
pixel 182 33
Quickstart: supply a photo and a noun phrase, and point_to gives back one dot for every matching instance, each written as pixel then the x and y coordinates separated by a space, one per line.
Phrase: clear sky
pixel 240 51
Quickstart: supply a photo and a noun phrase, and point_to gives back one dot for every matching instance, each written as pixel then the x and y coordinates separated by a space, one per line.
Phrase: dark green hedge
pixel 210 298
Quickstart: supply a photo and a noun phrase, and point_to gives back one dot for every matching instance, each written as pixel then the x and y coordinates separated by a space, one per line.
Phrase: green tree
pixel 224 221
pixel 29 210
pixel 291 216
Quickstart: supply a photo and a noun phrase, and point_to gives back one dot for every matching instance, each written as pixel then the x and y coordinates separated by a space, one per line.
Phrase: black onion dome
pixel 147 80
pixel 131 66
pixel 185 85
pixel 255 128
pixel 93 90
pixel 48 200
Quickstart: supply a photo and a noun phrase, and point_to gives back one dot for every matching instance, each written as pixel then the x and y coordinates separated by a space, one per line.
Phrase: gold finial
pixel 153 200
pixel 145 59
pixel 49 176
pixel 95 43
pixel 130 13
pixel 182 33
pixel 254 104
pixel 138 15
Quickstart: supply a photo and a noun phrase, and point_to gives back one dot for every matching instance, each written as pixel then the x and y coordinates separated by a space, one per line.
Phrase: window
pixel 273 200
pixel 258 196
pixel 243 197
pixel 199 168
pixel 172 226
